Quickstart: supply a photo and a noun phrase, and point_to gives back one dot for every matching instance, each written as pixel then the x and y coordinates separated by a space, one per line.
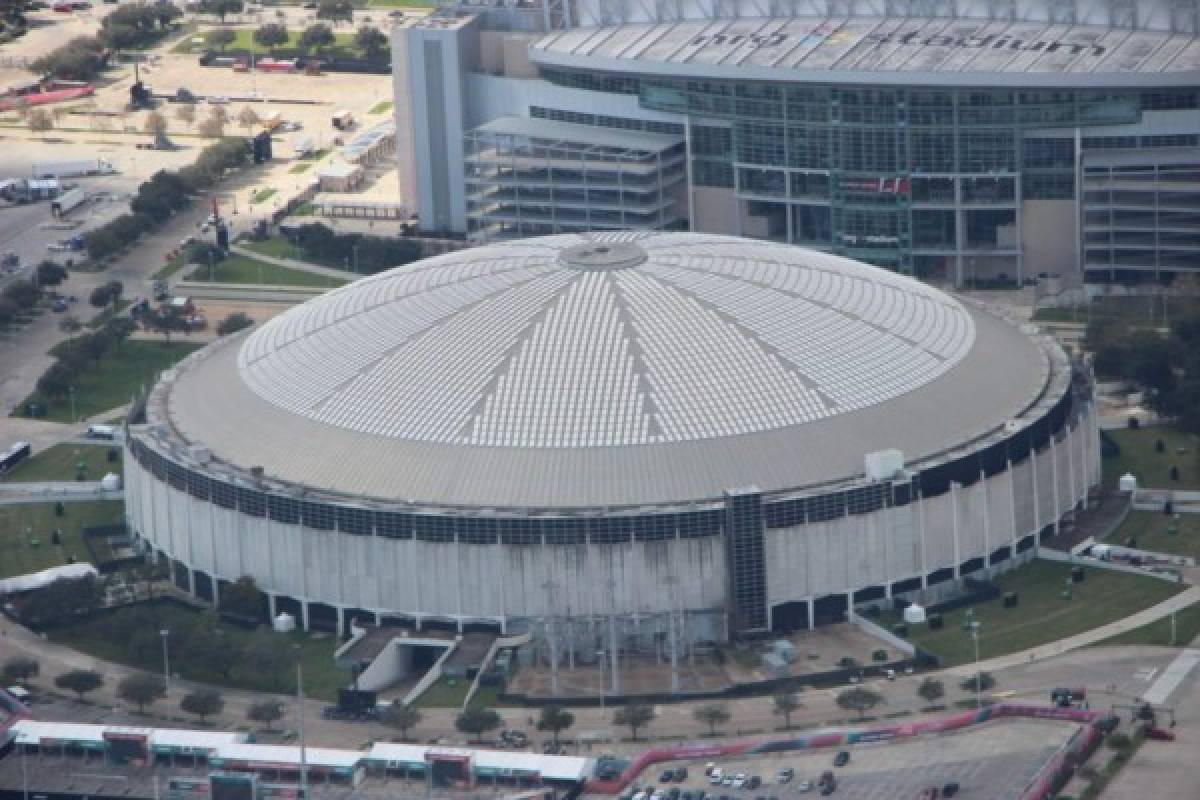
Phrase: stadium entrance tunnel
pixel 787 617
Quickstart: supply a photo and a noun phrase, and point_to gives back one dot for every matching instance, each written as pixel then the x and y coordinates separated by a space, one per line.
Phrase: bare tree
pixel 213 126
pixel 186 113
pixel 155 123
pixel 247 118
pixel 39 119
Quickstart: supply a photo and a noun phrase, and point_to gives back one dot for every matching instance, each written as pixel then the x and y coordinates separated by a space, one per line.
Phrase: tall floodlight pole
pixel 300 725
pixel 164 633
pixel 551 635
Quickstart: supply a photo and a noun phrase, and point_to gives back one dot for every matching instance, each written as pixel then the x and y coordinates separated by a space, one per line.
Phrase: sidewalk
pixel 1145 617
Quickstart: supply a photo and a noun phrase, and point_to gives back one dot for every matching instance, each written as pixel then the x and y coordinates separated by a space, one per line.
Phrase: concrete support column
pixel 1057 511
pixel 303 613
pixel 850 606
pixel 216 587
pixel 1069 447
pixel 954 528
pixel 271 612
pixel 378 620
pixel 987 517
pixel 1037 503
pixel 811 604
pixel 1015 535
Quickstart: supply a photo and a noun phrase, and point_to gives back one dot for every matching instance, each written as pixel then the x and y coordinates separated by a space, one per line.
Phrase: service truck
pixel 73 169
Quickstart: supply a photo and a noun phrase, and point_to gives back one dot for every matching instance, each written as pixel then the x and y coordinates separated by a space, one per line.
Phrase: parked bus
pixel 15 455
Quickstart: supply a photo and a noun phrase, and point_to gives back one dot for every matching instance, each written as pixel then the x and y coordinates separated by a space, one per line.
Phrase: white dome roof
pixel 606 340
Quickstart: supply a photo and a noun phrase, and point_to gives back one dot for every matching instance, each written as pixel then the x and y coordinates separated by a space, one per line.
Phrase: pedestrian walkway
pixel 1163 610
pixel 291 263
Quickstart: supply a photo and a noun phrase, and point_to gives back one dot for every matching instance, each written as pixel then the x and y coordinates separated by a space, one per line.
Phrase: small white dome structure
pixel 1127 483
pixel 914 614
pixel 283 623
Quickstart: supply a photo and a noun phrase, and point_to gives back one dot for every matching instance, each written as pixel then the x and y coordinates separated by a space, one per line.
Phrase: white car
pixel 739 781
pixel 715 779
pixel 803 786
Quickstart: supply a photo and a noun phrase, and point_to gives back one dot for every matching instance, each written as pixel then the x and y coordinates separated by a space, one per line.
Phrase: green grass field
pixel 343 46
pixel 21 525
pixel 382 107
pixel 1043 614
pixel 1151 468
pixel 240 269
pixel 59 463
pixel 1150 531
pixel 1187 631
pixel 274 246
pixel 115 378
pixel 104 316
pixel 444 695
pixel 262 195
pixel 321 678
pixel 303 166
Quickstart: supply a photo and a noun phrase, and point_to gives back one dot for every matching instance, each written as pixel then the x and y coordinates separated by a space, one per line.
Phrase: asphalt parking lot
pixel 995 761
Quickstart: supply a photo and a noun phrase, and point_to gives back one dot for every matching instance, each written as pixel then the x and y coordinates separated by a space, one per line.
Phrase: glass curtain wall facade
pixel 925 181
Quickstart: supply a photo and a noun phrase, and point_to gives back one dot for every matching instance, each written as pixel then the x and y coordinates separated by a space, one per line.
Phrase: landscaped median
pixel 67 462
pixel 1043 613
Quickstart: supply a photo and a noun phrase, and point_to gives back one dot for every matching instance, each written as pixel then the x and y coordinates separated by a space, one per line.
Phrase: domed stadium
pixel 742 435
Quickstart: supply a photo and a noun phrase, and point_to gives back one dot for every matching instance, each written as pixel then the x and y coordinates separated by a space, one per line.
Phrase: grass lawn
pixel 1136 310
pixel 1150 531
pixel 1187 630
pixel 115 379
pixel 343 45
pixel 104 316
pixel 1043 615
pixel 321 678
pixel 382 107
pixel 280 247
pixel 173 265
pixel 58 463
pixel 240 269
pixel 1153 469
pixel 22 523
pixel 303 166
pixel 262 195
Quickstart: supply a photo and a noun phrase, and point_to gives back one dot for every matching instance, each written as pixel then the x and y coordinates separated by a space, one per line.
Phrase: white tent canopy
pixel 36 580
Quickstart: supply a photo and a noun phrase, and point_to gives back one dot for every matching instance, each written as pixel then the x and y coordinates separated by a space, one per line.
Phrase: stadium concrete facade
pixel 712 435
pixel 970 142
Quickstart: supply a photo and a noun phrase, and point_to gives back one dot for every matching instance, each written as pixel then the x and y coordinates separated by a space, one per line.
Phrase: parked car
pixel 785 775
pixel 950 789
pixel 842 758
pixel 753 782
pixel 739 781
pixel 1160 734
pixel 59 305
pixel 803 787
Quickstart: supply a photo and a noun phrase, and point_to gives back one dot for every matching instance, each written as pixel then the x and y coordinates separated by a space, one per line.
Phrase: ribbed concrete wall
pixel 459 581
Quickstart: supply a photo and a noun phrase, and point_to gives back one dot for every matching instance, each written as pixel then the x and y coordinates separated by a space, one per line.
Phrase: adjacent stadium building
pixel 978 142
pixel 704 434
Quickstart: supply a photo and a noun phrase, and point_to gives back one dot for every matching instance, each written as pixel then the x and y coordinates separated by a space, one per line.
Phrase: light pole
pixel 164 633
pixel 300 725
pixel 354 250
pixel 978 675
pixel 71 391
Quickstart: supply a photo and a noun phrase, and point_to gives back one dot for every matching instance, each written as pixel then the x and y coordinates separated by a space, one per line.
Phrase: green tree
pixel 401 717
pixel 64 599
pixel 336 11
pixel 242 598
pixel 371 41
pixel 141 689
pixel 223 7
pixel 477 721
pixel 202 703
pixel 265 654
pixel 19 669
pixel 271 36
pixel 931 690
pixel 50 273
pixel 634 716
pixel 80 59
pixel 979 682
pixel 23 293
pixel 317 37
pixel 210 650
pixel 220 38
pixel 265 712
pixel 234 322
pixel 80 681
pixel 859 699
pixel 712 715
pixel 786 704
pixel 555 719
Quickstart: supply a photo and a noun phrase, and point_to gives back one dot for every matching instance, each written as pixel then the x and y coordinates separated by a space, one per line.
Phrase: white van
pixel 101 432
